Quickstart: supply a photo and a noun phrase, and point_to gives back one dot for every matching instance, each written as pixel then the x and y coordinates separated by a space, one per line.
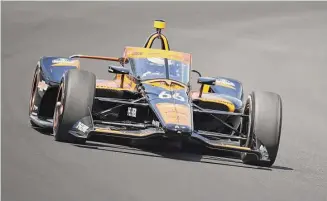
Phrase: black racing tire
pixel 33 94
pixel 75 101
pixel 264 126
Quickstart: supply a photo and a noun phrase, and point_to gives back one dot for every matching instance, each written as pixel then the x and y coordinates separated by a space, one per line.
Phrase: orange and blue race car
pixel 150 96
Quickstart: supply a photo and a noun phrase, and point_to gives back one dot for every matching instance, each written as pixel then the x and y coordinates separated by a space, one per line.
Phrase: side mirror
pixel 118 70
pixel 207 80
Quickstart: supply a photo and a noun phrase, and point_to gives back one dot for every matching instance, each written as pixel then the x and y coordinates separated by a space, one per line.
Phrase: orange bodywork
pixel 126 82
pixel 116 84
pixel 175 114
pixel 139 52
pixel 142 133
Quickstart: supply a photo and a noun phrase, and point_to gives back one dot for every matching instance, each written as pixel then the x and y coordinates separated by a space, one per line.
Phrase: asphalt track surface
pixel 278 47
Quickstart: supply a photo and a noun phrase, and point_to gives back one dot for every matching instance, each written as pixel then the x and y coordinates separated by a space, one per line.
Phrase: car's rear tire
pixel 264 126
pixel 75 101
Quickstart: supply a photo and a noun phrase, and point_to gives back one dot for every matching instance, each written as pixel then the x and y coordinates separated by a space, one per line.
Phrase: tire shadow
pixel 155 148
pixel 168 151
pixel 44 131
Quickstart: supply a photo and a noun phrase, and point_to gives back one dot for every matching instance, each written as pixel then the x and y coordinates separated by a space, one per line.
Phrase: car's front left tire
pixel 74 101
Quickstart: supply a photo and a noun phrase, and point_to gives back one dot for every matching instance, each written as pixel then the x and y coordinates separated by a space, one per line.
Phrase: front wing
pixel 88 127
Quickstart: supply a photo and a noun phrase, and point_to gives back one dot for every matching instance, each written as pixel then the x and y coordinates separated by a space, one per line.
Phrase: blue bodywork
pixel 53 74
pixel 49 72
pixel 237 92
pixel 235 95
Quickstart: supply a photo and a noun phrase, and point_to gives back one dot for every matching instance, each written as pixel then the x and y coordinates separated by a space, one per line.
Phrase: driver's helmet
pixel 157 65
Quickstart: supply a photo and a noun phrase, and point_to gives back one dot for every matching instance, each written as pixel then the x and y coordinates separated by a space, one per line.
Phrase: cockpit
pixel 148 64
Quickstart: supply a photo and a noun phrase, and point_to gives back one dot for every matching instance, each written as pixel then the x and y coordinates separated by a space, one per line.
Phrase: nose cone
pixel 177 114
pixel 176 118
pixel 172 106
pixel 178 130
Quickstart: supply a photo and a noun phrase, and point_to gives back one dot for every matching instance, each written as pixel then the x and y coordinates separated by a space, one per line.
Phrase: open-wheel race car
pixel 151 96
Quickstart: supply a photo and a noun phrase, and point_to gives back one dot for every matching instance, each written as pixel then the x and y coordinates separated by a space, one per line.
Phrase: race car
pixel 151 96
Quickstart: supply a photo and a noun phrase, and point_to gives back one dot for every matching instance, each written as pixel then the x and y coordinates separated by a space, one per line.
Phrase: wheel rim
pixel 33 93
pixel 247 125
pixel 251 139
pixel 56 118
pixel 57 112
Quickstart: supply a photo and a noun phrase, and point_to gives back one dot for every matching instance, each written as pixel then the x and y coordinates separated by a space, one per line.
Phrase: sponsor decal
pixel 42 86
pixel 225 83
pixel 82 127
pixel 137 53
pixel 65 62
pixel 177 96
pixel 61 60
pixel 264 152
pixel 155 123
pixel 131 112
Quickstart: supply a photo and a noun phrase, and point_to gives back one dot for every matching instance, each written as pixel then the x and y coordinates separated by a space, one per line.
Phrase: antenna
pixel 159 25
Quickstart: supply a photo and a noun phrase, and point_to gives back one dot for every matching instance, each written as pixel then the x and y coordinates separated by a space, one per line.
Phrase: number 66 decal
pixel 177 96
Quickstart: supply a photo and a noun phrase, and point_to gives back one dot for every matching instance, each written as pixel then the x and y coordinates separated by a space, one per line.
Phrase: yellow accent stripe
pixel 235 147
pixel 151 40
pixel 230 105
pixel 153 37
pixel 165 42
pixel 206 88
pixel 105 130
pixel 166 84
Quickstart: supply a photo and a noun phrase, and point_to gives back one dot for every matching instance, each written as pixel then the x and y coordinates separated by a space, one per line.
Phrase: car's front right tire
pixel 263 127
pixel 33 95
